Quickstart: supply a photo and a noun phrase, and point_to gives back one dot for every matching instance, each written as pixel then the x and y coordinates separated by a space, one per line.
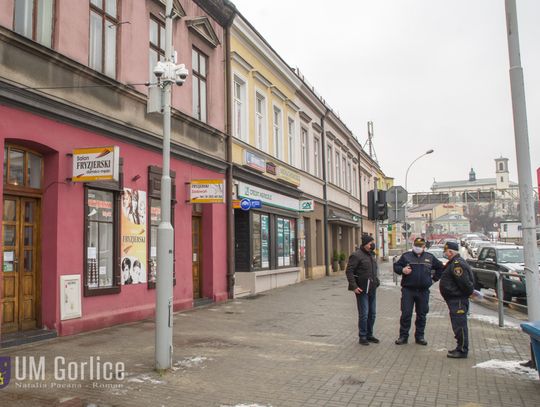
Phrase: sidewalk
pixel 294 346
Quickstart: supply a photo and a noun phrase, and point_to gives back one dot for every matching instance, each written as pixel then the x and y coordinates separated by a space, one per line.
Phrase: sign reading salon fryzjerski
pixel 96 164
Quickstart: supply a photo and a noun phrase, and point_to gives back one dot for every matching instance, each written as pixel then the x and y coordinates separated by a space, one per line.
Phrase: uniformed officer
pixel 415 267
pixel 457 284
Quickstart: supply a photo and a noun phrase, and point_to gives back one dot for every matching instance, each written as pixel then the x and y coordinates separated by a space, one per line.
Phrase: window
pixel 199 69
pixel 22 169
pixel 501 166
pixel 278 133
pixel 103 23
pixel 157 46
pixel 286 242
pixel 349 177
pixel 261 241
pixel 329 164
pixel 291 141
pixel 355 183
pixel 317 156
pixel 338 170
pixel 344 180
pixel 34 19
pixel 239 108
pixel 502 179
pixel 260 122
pixel 305 150
pixel 101 251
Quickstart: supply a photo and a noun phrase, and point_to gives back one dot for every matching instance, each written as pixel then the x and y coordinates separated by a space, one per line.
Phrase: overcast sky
pixel 428 73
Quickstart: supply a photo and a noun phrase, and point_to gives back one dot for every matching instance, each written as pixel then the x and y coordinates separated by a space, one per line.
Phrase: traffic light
pixel 372 205
pixel 382 206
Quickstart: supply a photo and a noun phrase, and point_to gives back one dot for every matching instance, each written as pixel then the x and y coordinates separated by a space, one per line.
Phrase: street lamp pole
pixel 167 73
pixel 523 156
pixel 406 203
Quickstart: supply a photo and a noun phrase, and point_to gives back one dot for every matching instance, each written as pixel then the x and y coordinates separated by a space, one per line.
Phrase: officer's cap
pixel 451 246
pixel 419 241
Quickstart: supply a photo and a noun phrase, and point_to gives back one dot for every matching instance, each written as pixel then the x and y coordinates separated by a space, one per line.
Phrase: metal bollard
pixel 500 296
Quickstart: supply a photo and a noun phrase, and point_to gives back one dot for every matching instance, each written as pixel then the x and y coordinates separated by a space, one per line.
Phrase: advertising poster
pixel 133 241
pixel 265 239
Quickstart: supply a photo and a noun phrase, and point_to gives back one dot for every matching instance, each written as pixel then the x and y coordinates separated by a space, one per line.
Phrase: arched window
pixel 501 167
pixel 22 168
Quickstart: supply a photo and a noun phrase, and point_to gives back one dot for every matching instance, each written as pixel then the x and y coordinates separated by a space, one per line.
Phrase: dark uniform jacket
pixel 362 271
pixel 457 280
pixel 422 266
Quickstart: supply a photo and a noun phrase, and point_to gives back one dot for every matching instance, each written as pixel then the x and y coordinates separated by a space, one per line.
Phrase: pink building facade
pixel 73 77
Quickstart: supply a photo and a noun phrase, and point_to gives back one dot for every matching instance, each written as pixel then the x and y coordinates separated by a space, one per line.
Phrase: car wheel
pixel 507 297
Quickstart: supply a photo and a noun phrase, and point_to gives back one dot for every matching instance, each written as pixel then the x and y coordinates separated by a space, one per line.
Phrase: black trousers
pixel 419 299
pixel 459 308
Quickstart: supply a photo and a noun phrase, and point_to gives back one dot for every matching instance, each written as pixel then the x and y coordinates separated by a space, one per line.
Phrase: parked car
pixel 476 248
pixel 500 258
pixel 437 251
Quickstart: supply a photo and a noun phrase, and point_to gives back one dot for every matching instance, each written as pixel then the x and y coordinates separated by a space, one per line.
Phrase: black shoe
pixel 456 354
pixel 401 340
pixel 421 341
pixel 363 341
pixel 372 339
pixel 528 363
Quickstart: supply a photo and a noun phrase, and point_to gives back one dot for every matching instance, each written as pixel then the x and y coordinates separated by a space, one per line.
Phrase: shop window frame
pixel 116 188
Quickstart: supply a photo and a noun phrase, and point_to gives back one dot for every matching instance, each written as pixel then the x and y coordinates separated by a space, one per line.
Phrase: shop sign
pixel 268 197
pixel 355 218
pixel 246 204
pixel 270 168
pixel 307 205
pixel 207 191
pixel 254 161
pixel 289 176
pixel 95 164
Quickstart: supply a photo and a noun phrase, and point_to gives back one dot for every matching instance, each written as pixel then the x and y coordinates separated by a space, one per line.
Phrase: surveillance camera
pixel 182 72
pixel 159 70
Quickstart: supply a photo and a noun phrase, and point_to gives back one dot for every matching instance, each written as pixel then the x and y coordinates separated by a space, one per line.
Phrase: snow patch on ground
pixel 388 283
pixel 493 320
pixel 246 405
pixel 508 367
pixel 193 361
pixel 144 378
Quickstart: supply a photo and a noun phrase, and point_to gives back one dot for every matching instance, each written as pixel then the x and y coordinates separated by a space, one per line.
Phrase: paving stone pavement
pixel 294 346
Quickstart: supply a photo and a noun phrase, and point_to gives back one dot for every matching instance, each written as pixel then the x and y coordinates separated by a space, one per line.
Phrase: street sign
pixel 245 204
pixel 406 227
pixel 495 225
pixel 256 204
pixel 397 196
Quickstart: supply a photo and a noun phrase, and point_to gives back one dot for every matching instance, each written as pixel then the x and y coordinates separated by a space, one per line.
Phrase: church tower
pixel 501 173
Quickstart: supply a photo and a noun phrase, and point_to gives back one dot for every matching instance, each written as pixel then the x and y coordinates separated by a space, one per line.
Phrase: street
pixel 294 346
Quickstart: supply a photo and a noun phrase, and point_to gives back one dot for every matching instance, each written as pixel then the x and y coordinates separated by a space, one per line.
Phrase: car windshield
pixel 436 252
pixel 514 255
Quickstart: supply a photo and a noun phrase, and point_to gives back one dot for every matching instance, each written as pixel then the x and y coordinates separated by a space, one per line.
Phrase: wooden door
pixel 196 255
pixel 21 292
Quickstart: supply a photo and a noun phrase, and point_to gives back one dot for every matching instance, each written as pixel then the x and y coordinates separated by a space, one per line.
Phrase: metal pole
pixel 407 190
pixel 165 238
pixel 500 298
pixel 376 194
pixel 523 159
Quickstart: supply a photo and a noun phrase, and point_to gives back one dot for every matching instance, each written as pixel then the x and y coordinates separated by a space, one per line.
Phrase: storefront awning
pixel 342 218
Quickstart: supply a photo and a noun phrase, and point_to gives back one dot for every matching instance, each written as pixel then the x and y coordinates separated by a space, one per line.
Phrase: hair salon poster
pixel 133 227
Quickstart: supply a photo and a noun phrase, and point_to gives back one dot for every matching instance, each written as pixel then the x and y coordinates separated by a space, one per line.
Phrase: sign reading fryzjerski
pixel 207 191
pixel 96 164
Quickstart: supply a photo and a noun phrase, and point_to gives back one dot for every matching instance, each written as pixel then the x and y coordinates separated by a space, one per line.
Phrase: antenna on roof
pixel 369 142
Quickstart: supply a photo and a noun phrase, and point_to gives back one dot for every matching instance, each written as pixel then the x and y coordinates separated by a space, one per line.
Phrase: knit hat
pixel 366 239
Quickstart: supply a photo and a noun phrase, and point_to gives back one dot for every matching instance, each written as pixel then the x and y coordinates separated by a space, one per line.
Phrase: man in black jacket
pixel 416 268
pixel 363 280
pixel 457 284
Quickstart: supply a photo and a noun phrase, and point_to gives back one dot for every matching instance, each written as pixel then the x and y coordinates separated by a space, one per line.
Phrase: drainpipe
pixel 229 172
pixel 325 194
pixel 361 195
